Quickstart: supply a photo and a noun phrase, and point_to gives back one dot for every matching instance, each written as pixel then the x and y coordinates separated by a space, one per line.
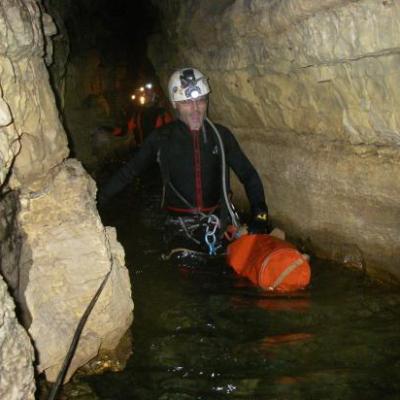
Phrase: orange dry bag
pixel 269 262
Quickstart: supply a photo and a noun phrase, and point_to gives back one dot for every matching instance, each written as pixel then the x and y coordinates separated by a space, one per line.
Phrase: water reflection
pixel 284 339
pixel 295 302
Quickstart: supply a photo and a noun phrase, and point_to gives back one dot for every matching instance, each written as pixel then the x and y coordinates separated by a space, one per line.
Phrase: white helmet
pixel 187 84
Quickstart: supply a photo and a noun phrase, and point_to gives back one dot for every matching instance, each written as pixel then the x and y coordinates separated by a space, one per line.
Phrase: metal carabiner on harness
pixel 210 236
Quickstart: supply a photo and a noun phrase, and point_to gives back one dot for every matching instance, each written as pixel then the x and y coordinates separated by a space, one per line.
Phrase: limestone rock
pixel 16 353
pixel 67 253
pixel 55 252
pixel 5 116
pixel 29 121
pixel 9 140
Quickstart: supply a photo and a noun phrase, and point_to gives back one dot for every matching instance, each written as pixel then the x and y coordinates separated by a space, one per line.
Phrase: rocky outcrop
pixel 30 127
pixel 66 255
pixel 16 353
pixel 310 89
pixel 54 250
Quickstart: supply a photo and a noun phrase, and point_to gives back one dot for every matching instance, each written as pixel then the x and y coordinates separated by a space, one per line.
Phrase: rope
pixel 234 218
pixel 185 229
pixel 182 250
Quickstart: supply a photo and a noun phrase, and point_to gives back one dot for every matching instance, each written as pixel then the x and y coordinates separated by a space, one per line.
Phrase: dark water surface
pixel 205 334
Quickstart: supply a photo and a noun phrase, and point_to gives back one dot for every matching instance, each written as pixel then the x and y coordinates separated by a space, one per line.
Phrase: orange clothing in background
pixel 163 119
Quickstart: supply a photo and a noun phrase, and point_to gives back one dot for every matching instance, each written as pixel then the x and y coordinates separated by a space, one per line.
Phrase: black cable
pixel 75 339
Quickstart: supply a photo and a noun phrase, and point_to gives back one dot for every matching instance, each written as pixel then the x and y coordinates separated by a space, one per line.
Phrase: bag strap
pixel 283 275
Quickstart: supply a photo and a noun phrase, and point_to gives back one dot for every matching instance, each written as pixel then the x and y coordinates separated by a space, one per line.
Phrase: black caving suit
pixel 190 165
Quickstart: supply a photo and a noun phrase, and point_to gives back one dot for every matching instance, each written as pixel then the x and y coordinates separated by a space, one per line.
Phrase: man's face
pixel 192 112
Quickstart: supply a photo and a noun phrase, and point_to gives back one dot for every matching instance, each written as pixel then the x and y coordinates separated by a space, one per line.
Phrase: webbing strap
pixel 197 210
pixel 291 267
pixel 282 276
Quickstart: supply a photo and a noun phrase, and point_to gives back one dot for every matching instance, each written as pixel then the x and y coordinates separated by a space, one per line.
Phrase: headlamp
pixel 189 84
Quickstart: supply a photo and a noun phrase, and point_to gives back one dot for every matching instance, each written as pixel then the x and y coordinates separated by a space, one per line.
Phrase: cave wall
pixel 24 122
pixel 16 353
pixel 310 89
pixel 54 250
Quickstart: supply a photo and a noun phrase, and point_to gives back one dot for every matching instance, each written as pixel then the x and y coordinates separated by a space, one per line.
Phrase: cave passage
pixel 203 333
pixel 308 88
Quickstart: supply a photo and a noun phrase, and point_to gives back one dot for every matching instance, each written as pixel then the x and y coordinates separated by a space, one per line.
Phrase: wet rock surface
pixel 16 353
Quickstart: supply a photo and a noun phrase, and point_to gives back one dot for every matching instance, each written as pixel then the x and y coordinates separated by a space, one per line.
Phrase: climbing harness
pixel 191 225
pixel 199 229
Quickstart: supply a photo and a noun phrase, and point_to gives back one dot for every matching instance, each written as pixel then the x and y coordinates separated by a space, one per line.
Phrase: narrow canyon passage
pixel 305 95
pixel 204 333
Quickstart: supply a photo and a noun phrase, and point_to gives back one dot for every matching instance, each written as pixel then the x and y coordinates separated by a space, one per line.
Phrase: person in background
pixel 139 118
pixel 195 157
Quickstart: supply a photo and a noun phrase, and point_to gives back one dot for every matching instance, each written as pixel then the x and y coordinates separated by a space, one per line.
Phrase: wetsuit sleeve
pixel 245 171
pixel 134 167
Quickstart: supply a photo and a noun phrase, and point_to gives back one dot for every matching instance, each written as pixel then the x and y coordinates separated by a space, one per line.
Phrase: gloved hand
pixel 259 223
